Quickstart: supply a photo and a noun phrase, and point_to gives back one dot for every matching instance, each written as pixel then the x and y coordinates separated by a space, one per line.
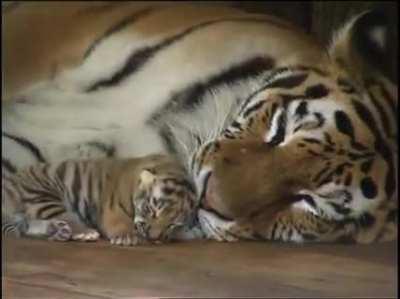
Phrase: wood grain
pixel 40 269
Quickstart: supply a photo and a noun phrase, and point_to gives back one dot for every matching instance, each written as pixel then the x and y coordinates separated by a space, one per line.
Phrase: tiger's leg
pixel 291 225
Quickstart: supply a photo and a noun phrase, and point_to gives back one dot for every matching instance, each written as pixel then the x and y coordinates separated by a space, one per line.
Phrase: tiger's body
pixel 284 140
pixel 128 201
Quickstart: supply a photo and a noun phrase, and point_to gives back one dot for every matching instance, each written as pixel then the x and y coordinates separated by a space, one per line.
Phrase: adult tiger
pixel 285 140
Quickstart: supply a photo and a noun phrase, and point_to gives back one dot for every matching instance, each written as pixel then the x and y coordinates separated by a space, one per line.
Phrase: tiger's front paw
pixel 129 239
pixel 216 228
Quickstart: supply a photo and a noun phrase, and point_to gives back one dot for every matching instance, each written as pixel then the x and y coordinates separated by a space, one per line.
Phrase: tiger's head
pixel 322 134
pixel 164 201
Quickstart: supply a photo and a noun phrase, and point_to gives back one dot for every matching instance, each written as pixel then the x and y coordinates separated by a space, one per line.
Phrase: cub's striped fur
pixel 286 139
pixel 126 200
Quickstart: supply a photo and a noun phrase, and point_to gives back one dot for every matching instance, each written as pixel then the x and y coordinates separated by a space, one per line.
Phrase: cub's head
pixel 324 132
pixel 164 201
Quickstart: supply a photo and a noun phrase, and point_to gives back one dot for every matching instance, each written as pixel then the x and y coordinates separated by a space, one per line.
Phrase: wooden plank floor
pixel 39 269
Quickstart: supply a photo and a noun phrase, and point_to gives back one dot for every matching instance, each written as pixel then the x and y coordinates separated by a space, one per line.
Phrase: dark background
pixel 322 17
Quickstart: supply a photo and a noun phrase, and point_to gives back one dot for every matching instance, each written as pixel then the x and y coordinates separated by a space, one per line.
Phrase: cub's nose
pixel 155 234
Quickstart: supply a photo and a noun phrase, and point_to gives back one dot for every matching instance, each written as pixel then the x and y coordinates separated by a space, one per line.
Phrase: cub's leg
pixel 53 230
pixel 80 231
pixel 61 228
pixel 118 226
pixel 32 207
pixel 19 213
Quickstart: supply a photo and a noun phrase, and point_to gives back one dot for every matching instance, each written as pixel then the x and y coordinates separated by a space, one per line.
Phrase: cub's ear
pixel 147 177
pixel 364 45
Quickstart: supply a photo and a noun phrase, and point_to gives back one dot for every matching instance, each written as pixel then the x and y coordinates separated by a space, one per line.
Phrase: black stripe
pixel 320 174
pixel 54 214
pixel 346 86
pixel 348 180
pixel 253 108
pixel 388 99
pixel 343 124
pixel 311 69
pixel 192 95
pixel 123 208
pixel 369 83
pixel 312 140
pixel 310 200
pixel 280 133
pixel 39 199
pixel 76 182
pixel 316 91
pixel 122 24
pixel 137 59
pixel 291 81
pixel 76 188
pixel 28 145
pixel 237 125
pixel 183 183
pixel 38 179
pixel 275 73
pixel 43 209
pixel 273 231
pixel 61 170
pixel 382 114
pixel 301 110
pixel 380 145
pixel 7 165
pixel 92 213
pixel 328 139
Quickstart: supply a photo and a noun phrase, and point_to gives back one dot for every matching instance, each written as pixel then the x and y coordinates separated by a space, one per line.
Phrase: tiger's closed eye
pixel 168 209
pixel 145 209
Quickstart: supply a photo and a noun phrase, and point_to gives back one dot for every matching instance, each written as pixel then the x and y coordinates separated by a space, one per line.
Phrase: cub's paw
pixel 90 235
pixel 125 240
pixel 59 230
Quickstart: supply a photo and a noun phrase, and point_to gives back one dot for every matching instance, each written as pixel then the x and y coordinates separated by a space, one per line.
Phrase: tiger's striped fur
pixel 285 139
pixel 126 200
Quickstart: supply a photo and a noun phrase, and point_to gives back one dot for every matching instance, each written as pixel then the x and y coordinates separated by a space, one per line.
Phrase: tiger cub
pixel 127 201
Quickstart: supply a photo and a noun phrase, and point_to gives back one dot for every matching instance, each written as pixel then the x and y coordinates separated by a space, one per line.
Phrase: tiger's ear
pixel 362 45
pixel 147 177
